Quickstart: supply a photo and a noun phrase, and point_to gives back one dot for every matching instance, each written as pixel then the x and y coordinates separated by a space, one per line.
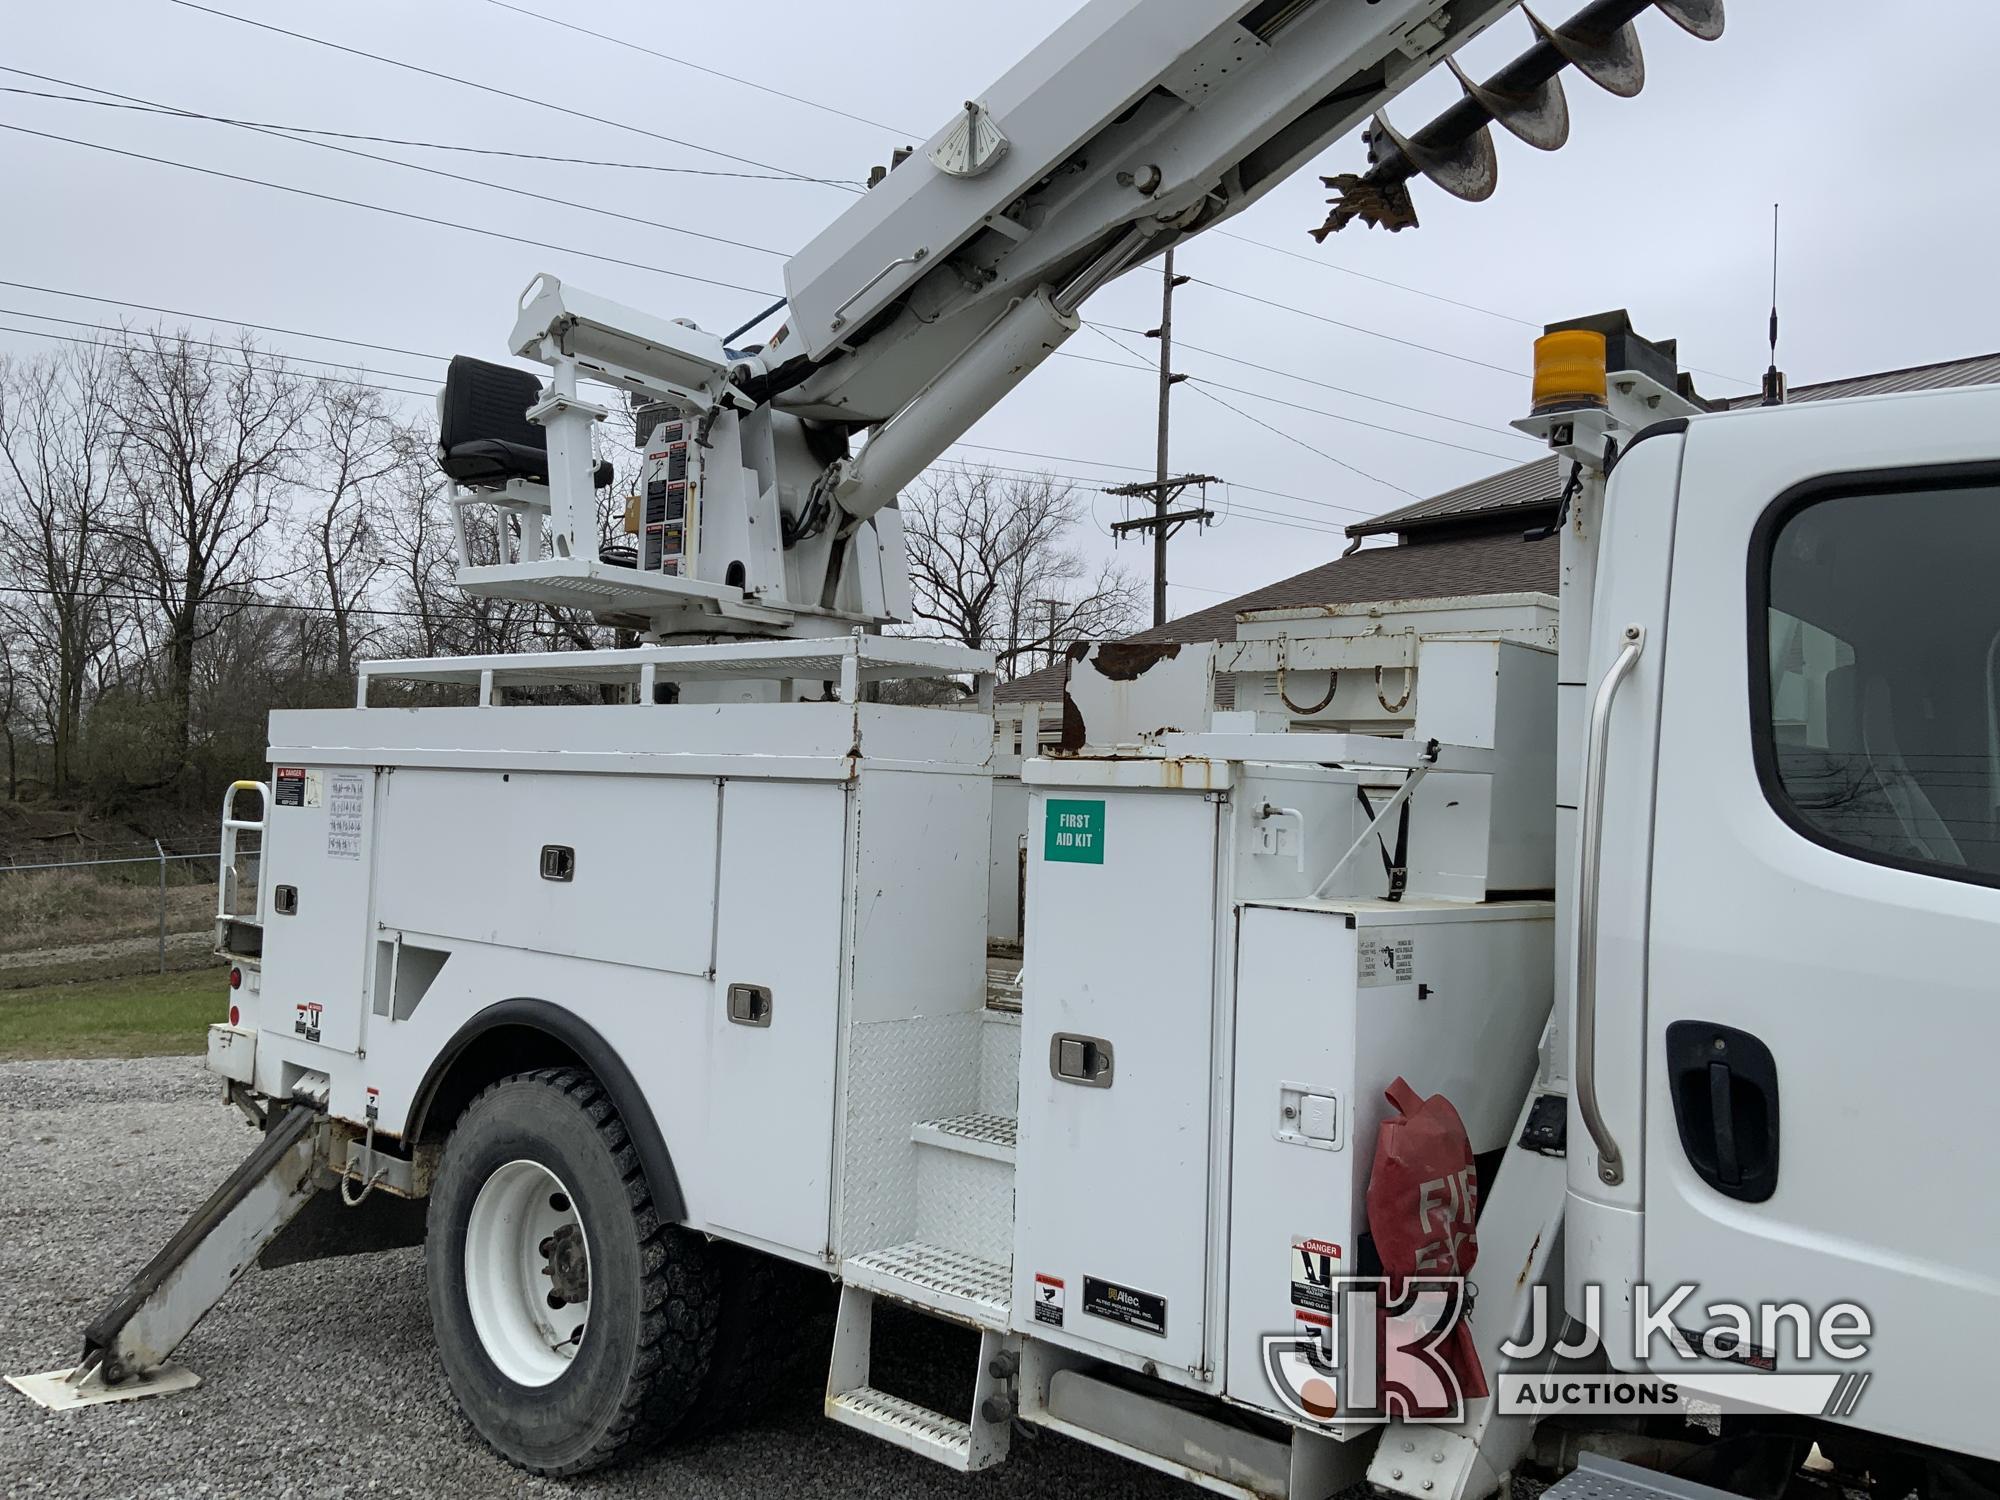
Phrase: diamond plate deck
pixel 905 1424
pixel 1599 1478
pixel 961 1286
pixel 987 1135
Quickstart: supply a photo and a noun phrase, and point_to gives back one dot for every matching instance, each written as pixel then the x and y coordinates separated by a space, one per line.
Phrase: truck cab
pixel 1796 908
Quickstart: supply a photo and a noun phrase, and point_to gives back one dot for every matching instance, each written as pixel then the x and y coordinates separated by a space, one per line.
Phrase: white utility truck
pixel 669 1002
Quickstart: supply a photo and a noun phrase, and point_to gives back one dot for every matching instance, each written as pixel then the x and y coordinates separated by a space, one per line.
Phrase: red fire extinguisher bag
pixel 1423 1207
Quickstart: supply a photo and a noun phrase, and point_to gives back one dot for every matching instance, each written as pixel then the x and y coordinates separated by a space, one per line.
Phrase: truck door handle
pixel 750 1004
pixel 1590 863
pixel 1080 1059
pixel 1725 1090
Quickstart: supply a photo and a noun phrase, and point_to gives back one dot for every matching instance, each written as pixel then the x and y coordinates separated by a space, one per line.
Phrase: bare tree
pixel 356 448
pixel 438 619
pixel 57 431
pixel 10 700
pixel 208 442
pixel 993 564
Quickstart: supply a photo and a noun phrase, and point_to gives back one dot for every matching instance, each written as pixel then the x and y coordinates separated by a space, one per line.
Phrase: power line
pixel 408 166
pixel 1250 513
pixel 1337 323
pixel 174 312
pixel 67 338
pixel 1202 380
pixel 1096 482
pixel 682 62
pixel 1327 265
pixel 396 140
pixel 22 312
pixel 1292 437
pixel 1233 484
pixel 327 338
pixel 488 88
pixel 1252 364
pixel 1417 291
pixel 257 603
pixel 1201 386
pixel 379 208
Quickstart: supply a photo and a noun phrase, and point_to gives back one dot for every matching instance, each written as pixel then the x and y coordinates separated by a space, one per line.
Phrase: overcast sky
pixel 1869 122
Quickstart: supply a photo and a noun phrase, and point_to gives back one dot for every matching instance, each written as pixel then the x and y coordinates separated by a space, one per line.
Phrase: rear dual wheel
pixel 576 1329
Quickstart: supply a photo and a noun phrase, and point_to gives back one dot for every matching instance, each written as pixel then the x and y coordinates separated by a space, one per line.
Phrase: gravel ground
pixel 319 1380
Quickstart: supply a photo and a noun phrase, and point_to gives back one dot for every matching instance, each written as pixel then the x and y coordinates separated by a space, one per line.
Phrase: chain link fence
pixel 119 909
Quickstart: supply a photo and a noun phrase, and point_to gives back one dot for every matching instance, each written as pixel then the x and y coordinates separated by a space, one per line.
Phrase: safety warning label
pixel 1314 1265
pixel 1048 1299
pixel 343 816
pixel 295 786
pixel 1384 957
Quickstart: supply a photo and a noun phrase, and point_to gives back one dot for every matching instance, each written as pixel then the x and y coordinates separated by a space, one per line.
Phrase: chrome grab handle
pixel 1590 841
pixel 915 258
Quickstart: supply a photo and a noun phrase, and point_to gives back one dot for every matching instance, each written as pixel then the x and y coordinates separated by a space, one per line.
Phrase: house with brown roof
pixel 1481 538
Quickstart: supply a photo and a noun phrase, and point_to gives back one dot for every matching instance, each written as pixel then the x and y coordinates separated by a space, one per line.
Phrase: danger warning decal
pixel 295 786
pixel 1314 1265
pixel 1048 1299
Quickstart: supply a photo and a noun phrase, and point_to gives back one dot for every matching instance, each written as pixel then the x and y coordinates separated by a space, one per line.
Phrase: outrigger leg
pixel 126 1350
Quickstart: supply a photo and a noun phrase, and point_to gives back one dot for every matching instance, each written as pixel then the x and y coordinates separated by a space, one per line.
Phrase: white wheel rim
pixel 509 1273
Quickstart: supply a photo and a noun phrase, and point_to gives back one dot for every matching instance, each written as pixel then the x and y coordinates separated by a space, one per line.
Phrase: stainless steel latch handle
pixel 750 1005
pixel 1080 1059
pixel 1590 841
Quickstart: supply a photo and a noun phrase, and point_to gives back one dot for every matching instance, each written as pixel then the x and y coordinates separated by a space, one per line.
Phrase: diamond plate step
pixel 1599 1478
pixel 965 1287
pixel 985 1135
pixel 905 1424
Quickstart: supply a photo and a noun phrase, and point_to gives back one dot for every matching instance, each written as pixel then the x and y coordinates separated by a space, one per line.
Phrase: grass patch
pixel 153 1015
pixel 61 908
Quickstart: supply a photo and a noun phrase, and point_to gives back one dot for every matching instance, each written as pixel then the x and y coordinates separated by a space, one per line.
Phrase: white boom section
pixel 1136 124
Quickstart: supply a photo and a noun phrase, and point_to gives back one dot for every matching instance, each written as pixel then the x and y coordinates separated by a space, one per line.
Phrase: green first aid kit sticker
pixel 1074 833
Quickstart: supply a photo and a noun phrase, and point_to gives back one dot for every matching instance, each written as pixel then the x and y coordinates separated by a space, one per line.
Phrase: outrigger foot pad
pixel 60 1390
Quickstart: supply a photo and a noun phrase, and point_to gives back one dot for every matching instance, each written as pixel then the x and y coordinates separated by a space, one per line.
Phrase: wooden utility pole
pixel 1166 332
pixel 1054 607
pixel 1164 489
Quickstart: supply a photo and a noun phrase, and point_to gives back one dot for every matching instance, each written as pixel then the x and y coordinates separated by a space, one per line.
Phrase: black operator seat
pixel 484 435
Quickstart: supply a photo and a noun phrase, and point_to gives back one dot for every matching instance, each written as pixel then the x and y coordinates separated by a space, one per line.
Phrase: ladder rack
pixel 849 662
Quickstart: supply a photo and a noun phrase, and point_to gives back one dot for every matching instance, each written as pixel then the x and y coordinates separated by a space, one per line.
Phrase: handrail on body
pixel 225 877
pixel 1590 846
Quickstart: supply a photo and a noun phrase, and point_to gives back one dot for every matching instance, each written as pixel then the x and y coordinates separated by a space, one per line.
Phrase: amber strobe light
pixel 1569 370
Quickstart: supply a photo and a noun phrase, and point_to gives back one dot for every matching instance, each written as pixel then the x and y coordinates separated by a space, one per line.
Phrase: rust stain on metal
pixel 1123 661
pixel 1522 1280
pixel 1072 724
